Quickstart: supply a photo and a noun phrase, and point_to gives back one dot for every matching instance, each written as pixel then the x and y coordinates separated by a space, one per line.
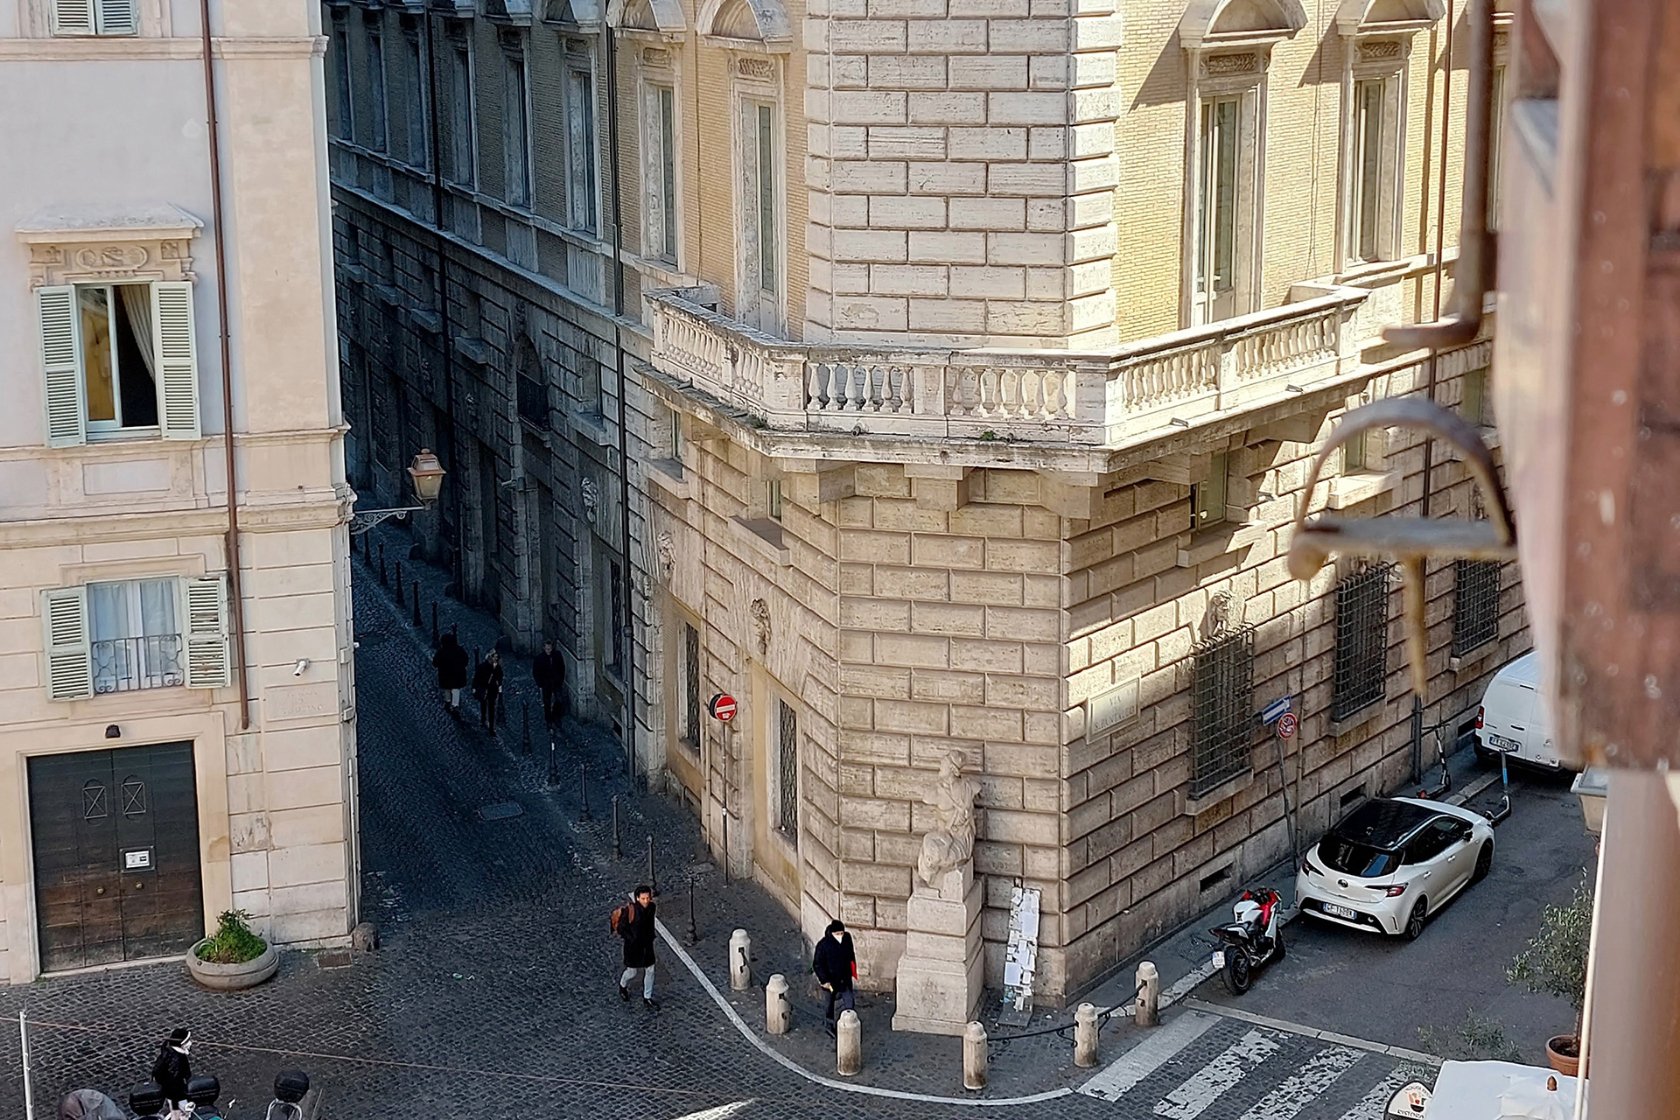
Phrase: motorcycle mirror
pixel 1410 1103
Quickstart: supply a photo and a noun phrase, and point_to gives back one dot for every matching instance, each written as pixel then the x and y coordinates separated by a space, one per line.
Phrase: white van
pixel 1512 720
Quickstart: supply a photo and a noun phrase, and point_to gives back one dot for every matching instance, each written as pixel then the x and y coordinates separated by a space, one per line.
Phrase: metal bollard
pixel 974 1057
pixel 740 960
pixel 416 615
pixel 383 581
pixel 1085 1036
pixel 583 790
pixel 693 929
pixel 653 879
pixel 618 850
pixel 524 727
pixel 776 1005
pixel 553 764
pixel 848 1045
pixel 434 623
pixel 1148 1012
pixel 399 585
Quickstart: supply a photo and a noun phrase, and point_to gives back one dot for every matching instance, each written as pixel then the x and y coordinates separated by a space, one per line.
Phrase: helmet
pixel 1247 911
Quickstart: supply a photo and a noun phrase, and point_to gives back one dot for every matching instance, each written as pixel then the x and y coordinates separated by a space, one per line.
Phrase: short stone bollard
pixel 776 1005
pixel 1085 1036
pixel 848 1045
pixel 1148 1012
pixel 974 1057
pixel 740 960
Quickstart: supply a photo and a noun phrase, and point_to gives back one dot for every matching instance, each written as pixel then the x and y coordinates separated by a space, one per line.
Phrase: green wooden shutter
pixel 61 365
pixel 177 360
pixel 116 17
pixel 72 17
pixel 64 624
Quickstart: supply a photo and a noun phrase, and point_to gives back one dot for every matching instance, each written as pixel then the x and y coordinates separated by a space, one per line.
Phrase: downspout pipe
pixel 628 622
pixel 218 233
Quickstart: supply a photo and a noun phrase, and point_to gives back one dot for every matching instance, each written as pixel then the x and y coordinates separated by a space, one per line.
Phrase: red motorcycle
pixel 1253 939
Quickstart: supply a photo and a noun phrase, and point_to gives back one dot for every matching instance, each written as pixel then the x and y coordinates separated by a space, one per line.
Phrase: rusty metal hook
pixel 1411 541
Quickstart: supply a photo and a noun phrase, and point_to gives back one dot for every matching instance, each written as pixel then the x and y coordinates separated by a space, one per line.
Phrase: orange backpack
pixel 620 919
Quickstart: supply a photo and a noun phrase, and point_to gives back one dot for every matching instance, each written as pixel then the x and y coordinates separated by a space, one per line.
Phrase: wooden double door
pixel 115 839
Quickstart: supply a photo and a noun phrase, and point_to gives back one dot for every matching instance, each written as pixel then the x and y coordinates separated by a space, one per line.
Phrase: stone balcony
pixel 1091 402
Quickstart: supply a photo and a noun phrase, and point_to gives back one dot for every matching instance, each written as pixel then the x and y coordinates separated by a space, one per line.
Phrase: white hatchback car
pixel 1393 862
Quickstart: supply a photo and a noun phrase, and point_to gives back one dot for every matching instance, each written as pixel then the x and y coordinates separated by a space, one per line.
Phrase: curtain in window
pixel 137 301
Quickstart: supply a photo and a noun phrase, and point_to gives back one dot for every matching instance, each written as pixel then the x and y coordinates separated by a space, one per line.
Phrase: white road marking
pixel 1305 1084
pixel 1375 1103
pixel 1146 1057
pixel 1196 1095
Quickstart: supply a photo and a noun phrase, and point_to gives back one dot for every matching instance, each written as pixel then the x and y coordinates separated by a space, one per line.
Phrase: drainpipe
pixel 236 597
pixel 627 622
pixel 445 334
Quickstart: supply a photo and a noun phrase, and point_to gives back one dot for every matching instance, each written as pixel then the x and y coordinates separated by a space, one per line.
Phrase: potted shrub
pixel 234 957
pixel 1555 963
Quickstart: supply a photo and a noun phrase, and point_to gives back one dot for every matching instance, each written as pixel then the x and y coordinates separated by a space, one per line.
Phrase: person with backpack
pixel 835 964
pixel 172 1070
pixel 634 924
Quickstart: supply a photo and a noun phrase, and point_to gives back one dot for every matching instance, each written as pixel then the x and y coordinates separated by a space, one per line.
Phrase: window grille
pixel 1361 641
pixel 691 685
pixel 1223 708
pixel 787 769
pixel 1475 604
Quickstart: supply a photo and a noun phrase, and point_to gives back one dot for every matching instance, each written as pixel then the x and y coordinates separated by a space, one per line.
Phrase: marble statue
pixel 950 843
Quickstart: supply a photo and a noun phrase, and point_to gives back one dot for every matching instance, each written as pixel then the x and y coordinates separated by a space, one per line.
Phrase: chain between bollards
pixel 583 791
pixel 618 850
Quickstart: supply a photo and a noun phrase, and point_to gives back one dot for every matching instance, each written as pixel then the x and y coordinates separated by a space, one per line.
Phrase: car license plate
pixel 1218 958
pixel 1501 744
pixel 1339 911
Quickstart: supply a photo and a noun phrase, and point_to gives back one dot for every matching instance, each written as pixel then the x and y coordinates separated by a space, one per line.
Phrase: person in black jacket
pixel 549 671
pixel 487 686
pixel 450 661
pixel 172 1070
pixel 636 927
pixel 835 964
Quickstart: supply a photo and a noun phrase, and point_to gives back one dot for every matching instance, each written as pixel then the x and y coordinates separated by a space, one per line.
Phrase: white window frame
pixel 379 123
pixel 1370 204
pixel 582 144
pixel 517 187
pixel 463 112
pixel 758 87
pixel 1239 78
pixel 201 614
pixel 64 376
pixel 662 170
pixel 95 18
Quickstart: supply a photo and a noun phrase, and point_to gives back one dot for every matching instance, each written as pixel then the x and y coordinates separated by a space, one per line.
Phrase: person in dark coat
pixel 172 1070
pixel 637 929
pixel 487 686
pixel 835 965
pixel 450 661
pixel 549 671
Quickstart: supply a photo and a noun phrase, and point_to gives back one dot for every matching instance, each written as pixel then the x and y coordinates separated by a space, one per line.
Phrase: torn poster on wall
pixel 1020 961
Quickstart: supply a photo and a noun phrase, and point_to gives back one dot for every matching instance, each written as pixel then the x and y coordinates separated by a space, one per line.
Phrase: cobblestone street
pixel 493 994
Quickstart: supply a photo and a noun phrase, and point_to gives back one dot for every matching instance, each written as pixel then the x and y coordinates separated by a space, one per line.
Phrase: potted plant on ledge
pixel 234 958
pixel 1555 963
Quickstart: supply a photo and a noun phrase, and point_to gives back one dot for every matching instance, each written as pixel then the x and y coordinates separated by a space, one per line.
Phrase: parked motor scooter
pixel 1252 940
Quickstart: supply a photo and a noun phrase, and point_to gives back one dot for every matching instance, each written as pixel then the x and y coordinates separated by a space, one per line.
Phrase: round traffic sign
pixel 722 707
pixel 1287 723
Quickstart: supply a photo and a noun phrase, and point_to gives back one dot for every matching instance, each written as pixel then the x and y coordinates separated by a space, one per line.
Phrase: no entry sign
pixel 722 707
pixel 1286 724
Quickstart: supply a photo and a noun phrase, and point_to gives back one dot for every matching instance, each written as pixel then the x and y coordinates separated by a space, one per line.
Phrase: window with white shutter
pixel 94 17
pixel 118 361
pixel 208 655
pixel 64 623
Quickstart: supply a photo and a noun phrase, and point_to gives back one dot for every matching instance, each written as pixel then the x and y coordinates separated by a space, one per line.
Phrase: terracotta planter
pixel 1567 1064
pixel 232 977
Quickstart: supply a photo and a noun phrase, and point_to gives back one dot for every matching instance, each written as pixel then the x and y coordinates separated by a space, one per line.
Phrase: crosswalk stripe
pixel 1375 1103
pixel 1148 1056
pixel 1194 1097
pixel 1304 1086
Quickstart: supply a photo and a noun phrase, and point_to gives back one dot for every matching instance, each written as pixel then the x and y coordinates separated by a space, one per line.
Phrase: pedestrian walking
pixel 173 1070
pixel 450 661
pixel 487 687
pixel 549 672
pixel 634 923
pixel 835 963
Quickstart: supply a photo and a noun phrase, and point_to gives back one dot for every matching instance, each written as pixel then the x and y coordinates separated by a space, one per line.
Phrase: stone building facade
pixel 176 676
pixel 969 355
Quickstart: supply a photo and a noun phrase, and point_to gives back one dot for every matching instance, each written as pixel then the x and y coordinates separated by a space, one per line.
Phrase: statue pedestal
pixel 939 976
